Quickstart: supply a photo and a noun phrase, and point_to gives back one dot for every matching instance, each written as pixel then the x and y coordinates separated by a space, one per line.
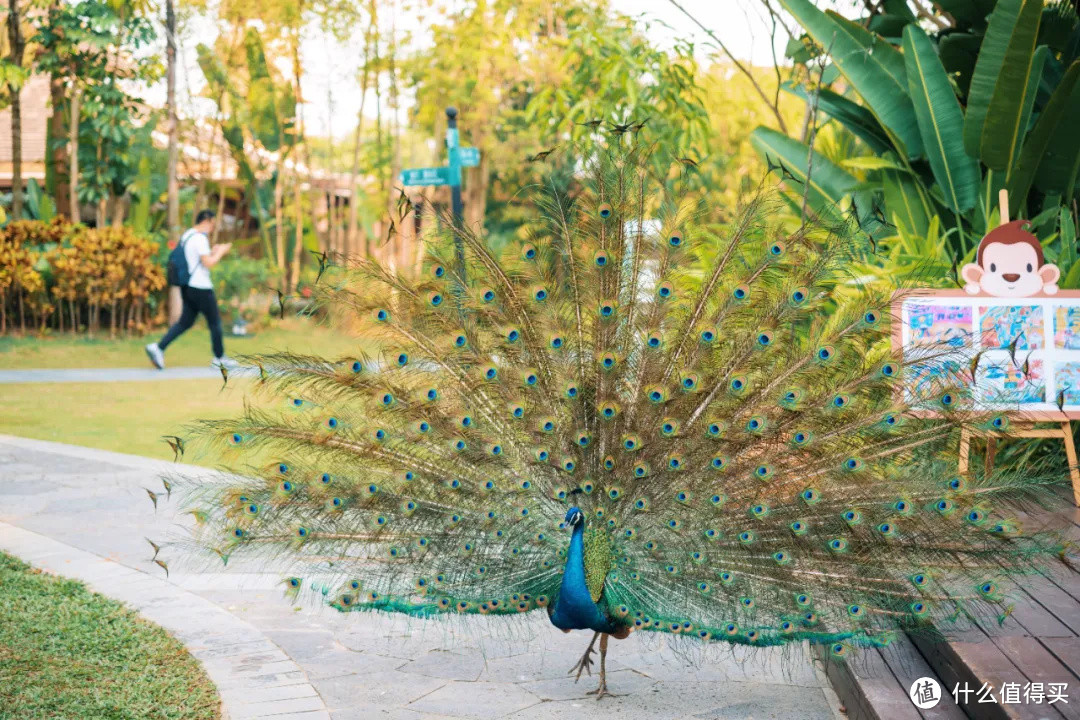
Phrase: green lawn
pixel 69 654
pixel 192 348
pixel 126 417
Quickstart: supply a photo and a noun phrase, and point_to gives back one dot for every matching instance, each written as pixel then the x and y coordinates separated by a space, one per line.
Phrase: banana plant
pixel 945 119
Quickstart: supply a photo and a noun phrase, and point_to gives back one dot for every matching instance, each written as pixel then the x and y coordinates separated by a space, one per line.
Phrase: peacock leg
pixel 602 690
pixel 585 665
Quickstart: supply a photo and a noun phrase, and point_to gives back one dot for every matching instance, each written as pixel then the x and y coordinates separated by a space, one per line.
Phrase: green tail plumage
pixel 721 402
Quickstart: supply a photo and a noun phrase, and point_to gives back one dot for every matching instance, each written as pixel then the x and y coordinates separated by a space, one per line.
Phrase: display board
pixel 1028 349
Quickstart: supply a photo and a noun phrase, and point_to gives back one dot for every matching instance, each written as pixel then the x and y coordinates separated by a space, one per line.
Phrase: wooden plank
pixel 1036 620
pixel 974 663
pixel 1039 666
pixel 907 666
pixel 867 688
pixel 1067 650
pixel 1063 606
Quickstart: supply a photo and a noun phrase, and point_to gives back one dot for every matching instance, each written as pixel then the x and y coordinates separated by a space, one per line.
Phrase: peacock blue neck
pixel 574 608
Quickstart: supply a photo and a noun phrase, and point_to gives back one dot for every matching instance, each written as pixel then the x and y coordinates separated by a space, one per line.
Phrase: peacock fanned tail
pixel 721 401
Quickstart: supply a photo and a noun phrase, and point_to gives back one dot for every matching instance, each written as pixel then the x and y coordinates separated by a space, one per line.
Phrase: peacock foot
pixel 601 690
pixel 584 665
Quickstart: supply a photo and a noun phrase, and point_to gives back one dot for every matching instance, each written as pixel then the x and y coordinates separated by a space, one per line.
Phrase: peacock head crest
pixel 574 517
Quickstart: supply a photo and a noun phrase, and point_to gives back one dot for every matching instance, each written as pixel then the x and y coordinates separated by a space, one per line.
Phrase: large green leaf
pixel 828 182
pixel 940 121
pixel 874 68
pixel 1016 139
pixel 1038 148
pixel 998 82
pixel 860 121
pixel 958 53
pixel 1061 161
pixel 905 203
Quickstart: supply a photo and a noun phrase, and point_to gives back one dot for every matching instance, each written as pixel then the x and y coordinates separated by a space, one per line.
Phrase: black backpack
pixel 176 267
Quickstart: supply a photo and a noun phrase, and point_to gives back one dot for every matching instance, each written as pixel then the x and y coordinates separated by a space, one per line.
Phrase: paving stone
pixel 483 701
pixel 445 664
pixel 282 692
pixel 622 682
pixel 387 689
pixel 277 706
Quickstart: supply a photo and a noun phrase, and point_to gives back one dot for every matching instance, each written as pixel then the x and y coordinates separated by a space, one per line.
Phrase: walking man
pixel 198 292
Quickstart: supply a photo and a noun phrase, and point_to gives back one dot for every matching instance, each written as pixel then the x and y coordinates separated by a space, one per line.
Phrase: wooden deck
pixel 1038 643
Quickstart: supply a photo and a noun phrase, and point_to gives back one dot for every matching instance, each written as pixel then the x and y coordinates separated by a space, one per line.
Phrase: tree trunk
pixel 56 147
pixel 120 207
pixel 220 210
pixel 352 239
pixel 73 149
pixel 15 39
pixel 298 243
pixel 279 223
pixel 173 201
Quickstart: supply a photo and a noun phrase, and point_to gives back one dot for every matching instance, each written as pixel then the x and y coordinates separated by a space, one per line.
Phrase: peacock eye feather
pixel 604 210
pixel 601 259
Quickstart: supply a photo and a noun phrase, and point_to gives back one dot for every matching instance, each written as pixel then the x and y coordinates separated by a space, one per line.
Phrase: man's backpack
pixel 176 267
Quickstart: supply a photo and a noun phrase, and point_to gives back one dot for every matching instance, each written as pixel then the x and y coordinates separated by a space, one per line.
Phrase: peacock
pixel 636 417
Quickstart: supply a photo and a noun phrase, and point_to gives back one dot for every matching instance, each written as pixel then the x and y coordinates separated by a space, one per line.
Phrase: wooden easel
pixel 1023 429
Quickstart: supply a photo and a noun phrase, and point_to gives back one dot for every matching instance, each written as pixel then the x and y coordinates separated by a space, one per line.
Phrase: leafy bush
pixel 55 272
pixel 239 280
pixel 23 272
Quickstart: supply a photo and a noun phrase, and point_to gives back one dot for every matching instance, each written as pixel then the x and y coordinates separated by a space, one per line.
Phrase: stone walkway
pixel 84 513
pixel 83 375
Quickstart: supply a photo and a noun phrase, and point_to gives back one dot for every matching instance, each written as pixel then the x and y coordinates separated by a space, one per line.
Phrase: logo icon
pixel 925 693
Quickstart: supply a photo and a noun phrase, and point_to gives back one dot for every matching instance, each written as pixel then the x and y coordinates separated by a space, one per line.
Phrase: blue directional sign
pixel 469 156
pixel 426 176
pixel 457 157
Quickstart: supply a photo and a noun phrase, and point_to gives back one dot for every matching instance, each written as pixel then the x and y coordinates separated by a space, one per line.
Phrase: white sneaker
pixel 156 355
pixel 224 360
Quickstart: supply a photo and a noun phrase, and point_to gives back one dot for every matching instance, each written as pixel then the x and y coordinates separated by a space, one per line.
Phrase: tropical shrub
pixel 58 274
pixel 107 269
pixel 941 122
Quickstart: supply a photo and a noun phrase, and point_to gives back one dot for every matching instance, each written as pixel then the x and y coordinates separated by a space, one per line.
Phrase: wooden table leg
pixel 991 453
pixel 965 449
pixel 1070 454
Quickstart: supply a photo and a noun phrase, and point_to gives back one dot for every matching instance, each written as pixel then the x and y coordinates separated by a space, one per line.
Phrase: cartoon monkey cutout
pixel 1010 263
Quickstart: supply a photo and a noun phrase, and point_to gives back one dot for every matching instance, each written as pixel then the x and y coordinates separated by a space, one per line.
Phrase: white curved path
pixel 84 513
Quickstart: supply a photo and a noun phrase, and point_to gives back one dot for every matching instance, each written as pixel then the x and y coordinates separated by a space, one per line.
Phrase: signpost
pixel 457 158
pixel 425 176
pixel 470 156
